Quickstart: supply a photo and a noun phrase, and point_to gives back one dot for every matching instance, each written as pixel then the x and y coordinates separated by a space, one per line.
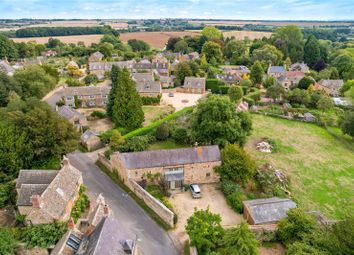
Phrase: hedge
pixel 150 128
pixel 151 100
pixel 216 86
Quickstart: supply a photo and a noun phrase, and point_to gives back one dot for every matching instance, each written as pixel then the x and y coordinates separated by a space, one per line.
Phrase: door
pixel 172 185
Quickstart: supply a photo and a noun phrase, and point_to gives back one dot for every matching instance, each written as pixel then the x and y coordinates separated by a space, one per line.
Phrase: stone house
pixel 239 70
pixel 176 166
pixel 142 77
pixel 89 96
pixel 161 68
pixel 47 196
pixel 266 211
pixel 276 71
pixel 301 67
pixel 49 53
pixel 100 68
pixel 143 65
pixel 229 79
pixel 90 140
pixel 330 87
pixel 290 79
pixel 96 57
pixel 73 116
pixel 166 81
pixel 6 67
pixel 194 85
pixel 149 88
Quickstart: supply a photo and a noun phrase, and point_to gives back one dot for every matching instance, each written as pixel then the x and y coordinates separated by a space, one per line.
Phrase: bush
pixel 229 187
pixel 250 101
pixel 235 201
pixel 162 132
pixel 108 153
pixel 7 194
pixel 255 96
pixel 151 100
pixel 223 90
pixel 72 82
pixel 180 135
pixel 216 86
pixel 136 143
pixel 7 241
pixel 106 136
pixel 44 235
pixel 90 79
pixel 81 204
pixel 98 114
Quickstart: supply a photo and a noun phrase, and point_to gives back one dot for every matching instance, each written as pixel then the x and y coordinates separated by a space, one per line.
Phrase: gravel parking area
pixel 184 204
pixel 180 100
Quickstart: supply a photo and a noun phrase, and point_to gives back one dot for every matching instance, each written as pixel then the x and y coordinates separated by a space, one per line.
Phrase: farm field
pixel 156 40
pixel 87 39
pixel 241 35
pixel 320 166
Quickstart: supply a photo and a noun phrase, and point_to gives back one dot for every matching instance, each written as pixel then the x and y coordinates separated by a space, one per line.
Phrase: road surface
pixel 154 239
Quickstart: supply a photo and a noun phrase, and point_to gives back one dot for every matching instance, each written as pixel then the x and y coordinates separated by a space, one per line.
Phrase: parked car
pixel 196 192
pixel 171 94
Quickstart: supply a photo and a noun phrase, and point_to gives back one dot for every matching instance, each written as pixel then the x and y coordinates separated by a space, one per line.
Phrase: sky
pixel 206 9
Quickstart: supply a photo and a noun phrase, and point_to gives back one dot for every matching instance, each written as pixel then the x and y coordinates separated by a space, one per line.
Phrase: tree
pixel 204 230
pixel 116 140
pixel 90 79
pixel 162 132
pixel 257 73
pixel 138 45
pixel 275 92
pixel 74 71
pixel 215 121
pixel 115 72
pixel 7 84
pixel 239 240
pixel 127 108
pixel 7 48
pixel 325 103
pixel 236 164
pixel 172 42
pixel 236 51
pixel 211 32
pixel 53 43
pixel 350 94
pixel 268 54
pixel 106 49
pixel 299 96
pixel 212 52
pixel 346 123
pixel 8 242
pixel 289 40
pixel 269 82
pixel 312 52
pixel 235 94
pixel 183 70
pixel 295 226
pixel 345 65
pixel 181 46
pixel 305 82
pixel 346 86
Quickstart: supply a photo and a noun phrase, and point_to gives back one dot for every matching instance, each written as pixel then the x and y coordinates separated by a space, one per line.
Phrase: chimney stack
pixel 36 201
pixel 71 224
pixel 106 210
pixel 66 161
pixel 200 151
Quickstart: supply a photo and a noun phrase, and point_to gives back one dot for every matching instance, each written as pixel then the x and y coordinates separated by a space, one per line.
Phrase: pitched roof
pixel 69 113
pixel 139 77
pixel 97 55
pixel 87 135
pixel 148 87
pixel 4 66
pixel 108 65
pixel 35 177
pixel 229 78
pixel 86 90
pixel 269 210
pixel 332 84
pixel 29 190
pixel 161 158
pixel 194 82
pixel 110 237
pixel 276 69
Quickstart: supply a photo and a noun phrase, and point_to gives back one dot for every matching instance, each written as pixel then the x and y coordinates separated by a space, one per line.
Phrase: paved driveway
pixel 53 97
pixel 154 240
pixel 180 100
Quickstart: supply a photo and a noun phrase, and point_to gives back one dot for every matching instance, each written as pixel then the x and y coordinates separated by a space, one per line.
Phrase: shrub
pixel 106 136
pixel 44 235
pixel 255 96
pixel 162 132
pixel 90 79
pixel 116 140
pixel 250 101
pixel 108 153
pixel 72 82
pixel 98 114
pixel 7 194
pixel 180 135
pixel 235 201
pixel 136 143
pixel 228 187
pixel 81 204
pixel 151 100
pixel 7 241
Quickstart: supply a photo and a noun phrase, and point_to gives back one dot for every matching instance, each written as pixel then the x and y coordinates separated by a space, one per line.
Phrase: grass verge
pixel 138 200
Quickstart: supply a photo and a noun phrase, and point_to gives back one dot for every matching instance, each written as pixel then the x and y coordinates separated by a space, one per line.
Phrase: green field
pixel 320 164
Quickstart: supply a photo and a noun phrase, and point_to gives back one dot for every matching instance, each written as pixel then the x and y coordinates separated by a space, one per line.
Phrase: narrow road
pixel 154 239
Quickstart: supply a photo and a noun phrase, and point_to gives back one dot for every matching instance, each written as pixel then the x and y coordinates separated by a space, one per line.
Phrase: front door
pixel 172 185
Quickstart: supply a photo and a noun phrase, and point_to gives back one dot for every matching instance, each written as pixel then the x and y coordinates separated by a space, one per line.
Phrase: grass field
pixel 152 113
pixel 241 35
pixel 320 165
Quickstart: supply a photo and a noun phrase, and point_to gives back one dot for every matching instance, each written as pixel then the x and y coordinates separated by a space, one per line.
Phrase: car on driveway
pixel 195 189
pixel 171 94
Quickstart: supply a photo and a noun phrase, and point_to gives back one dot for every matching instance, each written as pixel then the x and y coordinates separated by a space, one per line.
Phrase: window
pixel 104 96
pixel 92 103
pixel 91 96
pixel 207 175
pixel 69 98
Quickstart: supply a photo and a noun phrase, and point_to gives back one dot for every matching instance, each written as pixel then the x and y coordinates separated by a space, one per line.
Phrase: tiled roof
pixel 331 84
pixel 161 158
pixel 139 77
pixel 87 135
pixel 27 191
pixel 269 210
pixel 106 66
pixel 35 177
pixel 86 90
pixel 194 82
pixel 276 69
pixel 148 87
pixel 69 113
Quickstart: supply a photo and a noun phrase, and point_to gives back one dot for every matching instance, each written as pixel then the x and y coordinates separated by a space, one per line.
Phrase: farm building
pixel 266 211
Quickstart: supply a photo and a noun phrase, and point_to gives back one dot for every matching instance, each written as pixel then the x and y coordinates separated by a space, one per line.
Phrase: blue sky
pixel 217 9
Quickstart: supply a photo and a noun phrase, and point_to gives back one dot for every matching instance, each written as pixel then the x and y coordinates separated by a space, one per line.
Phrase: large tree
pixel 115 71
pixel 236 52
pixel 257 73
pixel 289 39
pixel 7 84
pixel 183 70
pixel 345 66
pixel 346 123
pixel 275 92
pixel 211 32
pixel 268 54
pixel 239 240
pixel 216 121
pixel 235 94
pixel 204 230
pixel 127 109
pixel 312 53
pixel 212 52
pixel 7 48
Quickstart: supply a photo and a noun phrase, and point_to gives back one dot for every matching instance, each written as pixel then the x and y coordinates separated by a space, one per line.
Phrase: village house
pixel 267 210
pixel 194 85
pixel 73 116
pixel 90 140
pixel 88 96
pixel 166 81
pixel 159 58
pixel 49 53
pixel 6 67
pixel 149 88
pixel 142 77
pixel 142 66
pixel 176 166
pixel 100 68
pixel 330 87
pixel 239 70
pixel 96 57
pixel 301 67
pixel 161 68
pixel 72 63
pixel 276 71
pixel 47 196
pixel 229 79
pixel 290 79
pixel 189 57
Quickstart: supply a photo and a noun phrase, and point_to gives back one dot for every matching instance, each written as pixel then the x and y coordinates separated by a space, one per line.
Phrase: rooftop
pixel 194 82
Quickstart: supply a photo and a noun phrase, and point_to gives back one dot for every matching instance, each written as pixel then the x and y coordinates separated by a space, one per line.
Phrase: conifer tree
pixel 112 94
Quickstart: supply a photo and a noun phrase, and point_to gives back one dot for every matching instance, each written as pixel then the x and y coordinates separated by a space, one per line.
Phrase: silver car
pixel 196 192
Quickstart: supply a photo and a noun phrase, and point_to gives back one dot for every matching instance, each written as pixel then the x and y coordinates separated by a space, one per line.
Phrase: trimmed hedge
pixel 150 128
pixel 216 86
pixel 151 100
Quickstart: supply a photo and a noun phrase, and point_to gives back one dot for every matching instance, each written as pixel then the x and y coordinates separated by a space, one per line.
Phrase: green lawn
pixel 320 164
pixel 153 113
pixel 168 144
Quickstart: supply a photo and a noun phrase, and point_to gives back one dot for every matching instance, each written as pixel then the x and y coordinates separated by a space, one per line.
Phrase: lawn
pixel 320 164
pixel 165 145
pixel 153 113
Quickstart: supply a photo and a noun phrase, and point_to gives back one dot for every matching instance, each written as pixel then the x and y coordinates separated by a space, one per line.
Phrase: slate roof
pixel 35 177
pixel 229 78
pixel 148 87
pixel 331 84
pixel 299 67
pixel 69 113
pixel 276 69
pixel 268 210
pixel 97 55
pixel 162 158
pixel 87 135
pixel 86 91
pixel 29 190
pixel 142 77
pixel 108 238
pixel 4 66
pixel 194 82
pixel 106 66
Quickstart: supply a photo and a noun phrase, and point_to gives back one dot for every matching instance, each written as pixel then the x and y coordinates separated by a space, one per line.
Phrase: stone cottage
pixel 176 166
pixel 90 140
pixel 73 116
pixel 88 96
pixel 47 196
pixel 195 85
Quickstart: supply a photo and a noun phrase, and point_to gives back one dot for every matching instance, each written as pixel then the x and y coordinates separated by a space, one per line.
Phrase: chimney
pixel 66 161
pixel 106 210
pixel 200 151
pixel 71 224
pixel 36 201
